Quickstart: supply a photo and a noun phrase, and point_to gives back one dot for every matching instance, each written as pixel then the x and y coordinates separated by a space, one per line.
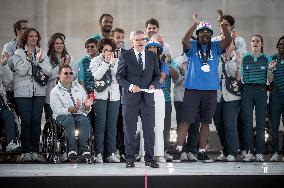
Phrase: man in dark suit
pixel 138 69
pixel 117 34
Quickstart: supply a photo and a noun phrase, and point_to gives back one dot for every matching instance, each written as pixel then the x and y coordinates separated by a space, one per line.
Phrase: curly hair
pixel 106 41
pixel 281 38
pixel 24 38
pixel 51 51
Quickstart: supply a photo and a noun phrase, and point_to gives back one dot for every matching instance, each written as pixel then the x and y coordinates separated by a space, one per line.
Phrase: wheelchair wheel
pixel 49 143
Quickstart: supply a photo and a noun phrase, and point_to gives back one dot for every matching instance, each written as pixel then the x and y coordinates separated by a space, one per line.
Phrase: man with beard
pixel 118 35
pixel 106 22
pixel 152 27
pixel 201 83
pixel 8 50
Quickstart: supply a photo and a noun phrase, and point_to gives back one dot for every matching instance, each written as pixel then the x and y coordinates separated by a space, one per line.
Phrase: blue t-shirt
pixel 198 79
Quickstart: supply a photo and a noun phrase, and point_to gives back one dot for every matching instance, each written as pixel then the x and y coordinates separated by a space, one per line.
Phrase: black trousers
pixel 130 117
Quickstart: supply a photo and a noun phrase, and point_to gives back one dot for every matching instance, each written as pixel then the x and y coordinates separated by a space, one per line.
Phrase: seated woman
pixel 70 106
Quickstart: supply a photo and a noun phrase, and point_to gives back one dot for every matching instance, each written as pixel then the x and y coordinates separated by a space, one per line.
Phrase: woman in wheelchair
pixel 70 106
pixel 7 117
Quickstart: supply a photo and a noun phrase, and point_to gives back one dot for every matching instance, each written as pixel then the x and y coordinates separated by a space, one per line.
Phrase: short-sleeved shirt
pixel 278 73
pixel 198 79
pixel 254 69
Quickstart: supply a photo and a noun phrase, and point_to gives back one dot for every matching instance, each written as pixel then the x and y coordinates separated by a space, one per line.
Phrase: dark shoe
pixel 84 157
pixel 177 156
pixel 152 164
pixel 130 164
pixel 202 156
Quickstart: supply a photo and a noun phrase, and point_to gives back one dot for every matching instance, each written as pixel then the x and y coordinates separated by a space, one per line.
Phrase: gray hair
pixel 134 33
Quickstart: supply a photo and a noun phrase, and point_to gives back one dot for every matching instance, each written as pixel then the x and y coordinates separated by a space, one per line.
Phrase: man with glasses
pixel 8 51
pixel 138 69
pixel 84 73
pixel 70 106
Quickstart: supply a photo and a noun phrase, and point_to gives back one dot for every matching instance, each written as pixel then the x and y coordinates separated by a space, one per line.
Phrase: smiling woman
pixel 276 98
pixel 29 93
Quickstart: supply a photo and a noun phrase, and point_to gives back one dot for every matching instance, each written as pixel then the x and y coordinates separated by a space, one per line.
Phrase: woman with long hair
pixel 253 70
pixel 58 56
pixel 30 90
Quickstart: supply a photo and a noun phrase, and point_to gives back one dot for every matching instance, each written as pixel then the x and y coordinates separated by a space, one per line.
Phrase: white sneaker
pixel 36 157
pixel 113 159
pixel 25 157
pixel 248 157
pixel 191 157
pixel 221 157
pixel 230 158
pixel 243 154
pixel 274 158
pixel 86 153
pixel 167 156
pixel 12 147
pixel 183 156
pixel 99 158
pixel 117 154
pixel 259 158
pixel 142 160
pixel 161 159
pixel 72 153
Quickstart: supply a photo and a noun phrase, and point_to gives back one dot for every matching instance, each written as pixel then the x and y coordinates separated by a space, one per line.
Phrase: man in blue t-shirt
pixel 201 83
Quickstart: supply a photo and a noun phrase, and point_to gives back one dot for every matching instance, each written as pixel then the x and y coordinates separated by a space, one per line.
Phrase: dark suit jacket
pixel 130 72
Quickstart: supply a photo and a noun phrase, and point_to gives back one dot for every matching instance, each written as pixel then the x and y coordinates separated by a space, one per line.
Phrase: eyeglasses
pixel 66 73
pixel 90 46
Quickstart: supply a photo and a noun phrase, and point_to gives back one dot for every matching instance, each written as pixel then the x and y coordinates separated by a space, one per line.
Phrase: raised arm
pixel 186 39
pixel 228 38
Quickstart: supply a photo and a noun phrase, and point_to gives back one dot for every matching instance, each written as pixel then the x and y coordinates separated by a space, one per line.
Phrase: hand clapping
pixel 4 58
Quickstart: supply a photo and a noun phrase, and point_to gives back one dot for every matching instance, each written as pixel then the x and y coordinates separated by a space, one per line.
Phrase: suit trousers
pixel 159 125
pixel 130 117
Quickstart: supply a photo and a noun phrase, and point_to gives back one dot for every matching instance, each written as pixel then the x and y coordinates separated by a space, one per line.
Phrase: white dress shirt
pixel 142 56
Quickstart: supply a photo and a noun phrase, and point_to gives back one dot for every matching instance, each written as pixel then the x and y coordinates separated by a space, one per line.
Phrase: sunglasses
pixel 90 46
pixel 66 73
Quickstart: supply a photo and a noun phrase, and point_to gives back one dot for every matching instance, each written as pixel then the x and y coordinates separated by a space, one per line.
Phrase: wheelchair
pixel 54 143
